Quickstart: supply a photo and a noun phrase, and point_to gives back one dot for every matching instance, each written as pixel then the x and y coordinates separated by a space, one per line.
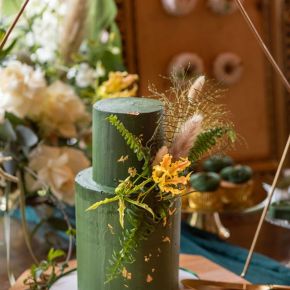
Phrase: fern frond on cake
pixel 207 140
pixel 132 141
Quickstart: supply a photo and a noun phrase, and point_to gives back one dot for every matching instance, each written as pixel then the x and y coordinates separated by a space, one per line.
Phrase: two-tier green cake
pixel 99 232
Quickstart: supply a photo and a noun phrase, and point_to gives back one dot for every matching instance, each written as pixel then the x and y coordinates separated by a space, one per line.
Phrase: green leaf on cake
pixel 103 202
pixel 121 210
pixel 142 205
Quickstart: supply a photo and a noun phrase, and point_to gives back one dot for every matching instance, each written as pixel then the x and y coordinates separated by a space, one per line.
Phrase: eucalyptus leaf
pixel 10 166
pixel 14 120
pixel 26 136
pixel 7 133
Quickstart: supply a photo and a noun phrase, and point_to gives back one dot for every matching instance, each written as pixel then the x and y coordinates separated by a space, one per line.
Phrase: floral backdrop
pixel 61 57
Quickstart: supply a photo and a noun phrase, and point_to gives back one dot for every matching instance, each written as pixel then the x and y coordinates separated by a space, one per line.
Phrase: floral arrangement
pixel 47 87
pixel 194 125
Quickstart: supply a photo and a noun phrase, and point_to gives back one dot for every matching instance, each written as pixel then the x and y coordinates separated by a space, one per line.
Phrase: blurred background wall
pixel 158 34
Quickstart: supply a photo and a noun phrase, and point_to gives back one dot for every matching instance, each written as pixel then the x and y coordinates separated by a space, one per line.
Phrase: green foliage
pixel 132 141
pixel 54 254
pixel 105 12
pixel 16 138
pixel 10 7
pixel 47 272
pixel 140 228
pixel 123 193
pixel 207 140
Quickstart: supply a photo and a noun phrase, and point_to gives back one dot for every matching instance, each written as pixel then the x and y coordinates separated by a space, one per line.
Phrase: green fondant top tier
pixel 141 117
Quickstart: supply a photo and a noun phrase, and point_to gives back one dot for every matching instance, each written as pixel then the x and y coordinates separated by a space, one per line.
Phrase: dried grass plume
pixel 74 27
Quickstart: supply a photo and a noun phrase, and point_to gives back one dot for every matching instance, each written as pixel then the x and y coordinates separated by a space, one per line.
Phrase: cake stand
pixel 210 220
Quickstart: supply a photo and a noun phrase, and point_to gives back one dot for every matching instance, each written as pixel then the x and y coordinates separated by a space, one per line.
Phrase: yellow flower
pixel 119 84
pixel 166 175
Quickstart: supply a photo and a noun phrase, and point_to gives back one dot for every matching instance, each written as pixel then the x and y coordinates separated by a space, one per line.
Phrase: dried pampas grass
pixel 186 98
pixel 159 155
pixel 184 140
pixel 74 27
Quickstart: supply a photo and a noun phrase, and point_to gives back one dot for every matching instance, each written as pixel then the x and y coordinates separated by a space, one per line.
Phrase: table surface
pixel 205 269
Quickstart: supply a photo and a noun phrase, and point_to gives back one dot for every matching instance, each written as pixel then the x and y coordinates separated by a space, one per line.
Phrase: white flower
pixel 100 70
pixel 45 28
pixel 56 167
pixel 85 76
pixel 62 111
pixel 21 89
pixel 115 50
pixel 105 36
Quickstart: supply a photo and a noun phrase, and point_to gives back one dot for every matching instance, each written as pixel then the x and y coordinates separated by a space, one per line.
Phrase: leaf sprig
pixel 45 274
pixel 132 141
pixel 207 140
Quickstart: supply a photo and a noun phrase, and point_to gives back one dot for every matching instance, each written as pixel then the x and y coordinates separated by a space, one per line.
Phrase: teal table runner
pixel 263 270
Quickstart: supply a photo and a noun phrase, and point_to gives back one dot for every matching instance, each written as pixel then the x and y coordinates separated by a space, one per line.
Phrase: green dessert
pixel 205 181
pixel 237 174
pixel 216 163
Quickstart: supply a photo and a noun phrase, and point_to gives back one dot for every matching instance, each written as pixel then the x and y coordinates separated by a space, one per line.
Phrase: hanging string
pixel 263 45
pixel 272 191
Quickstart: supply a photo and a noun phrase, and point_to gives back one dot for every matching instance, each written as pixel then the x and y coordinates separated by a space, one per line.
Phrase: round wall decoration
pixel 186 64
pixel 223 7
pixel 228 68
pixel 178 7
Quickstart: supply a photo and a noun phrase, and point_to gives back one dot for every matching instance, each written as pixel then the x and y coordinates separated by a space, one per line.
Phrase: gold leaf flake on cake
pixel 126 274
pixel 134 113
pixel 149 278
pixel 132 171
pixel 164 221
pixel 111 229
pixel 123 158
pixel 166 239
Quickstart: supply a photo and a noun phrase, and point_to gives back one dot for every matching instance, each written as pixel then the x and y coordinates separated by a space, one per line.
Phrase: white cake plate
pixel 70 281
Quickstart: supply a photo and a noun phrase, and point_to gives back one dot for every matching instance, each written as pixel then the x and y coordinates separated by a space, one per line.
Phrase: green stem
pixel 144 195
pixel 140 186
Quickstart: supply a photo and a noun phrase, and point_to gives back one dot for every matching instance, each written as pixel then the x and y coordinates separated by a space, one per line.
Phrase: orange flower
pixel 166 175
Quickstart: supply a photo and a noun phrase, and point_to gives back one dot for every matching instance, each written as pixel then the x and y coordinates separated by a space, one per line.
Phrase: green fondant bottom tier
pixel 99 234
